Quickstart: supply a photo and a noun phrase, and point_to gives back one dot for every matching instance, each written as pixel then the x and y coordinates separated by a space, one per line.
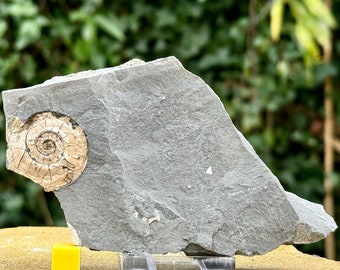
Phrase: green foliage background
pixel 265 87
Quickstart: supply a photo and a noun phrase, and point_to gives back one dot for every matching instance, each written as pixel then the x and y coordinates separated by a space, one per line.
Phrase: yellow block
pixel 65 257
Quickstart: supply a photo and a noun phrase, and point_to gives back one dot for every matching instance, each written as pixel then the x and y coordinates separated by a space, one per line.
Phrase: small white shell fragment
pixel 209 171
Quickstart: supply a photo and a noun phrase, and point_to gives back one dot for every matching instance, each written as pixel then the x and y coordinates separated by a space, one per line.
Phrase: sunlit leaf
pixel 3 27
pixel 306 40
pixel 321 11
pixel 89 31
pixel 22 8
pixel 276 18
pixel 298 10
pixel 319 31
pixel 79 15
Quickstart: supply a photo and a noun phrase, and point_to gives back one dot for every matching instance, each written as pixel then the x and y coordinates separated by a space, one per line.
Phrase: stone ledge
pixel 30 248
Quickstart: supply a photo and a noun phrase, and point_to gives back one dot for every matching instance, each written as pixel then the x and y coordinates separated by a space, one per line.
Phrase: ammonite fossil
pixel 49 148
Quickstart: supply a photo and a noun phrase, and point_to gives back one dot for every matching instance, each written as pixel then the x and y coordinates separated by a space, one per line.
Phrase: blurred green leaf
pixel 30 31
pixel 21 8
pixel 3 27
pixel 11 202
pixel 323 71
pixel 111 26
pixel 89 31
pixel 334 177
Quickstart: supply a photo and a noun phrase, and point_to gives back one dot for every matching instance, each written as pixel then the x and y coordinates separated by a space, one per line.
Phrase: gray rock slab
pixel 167 170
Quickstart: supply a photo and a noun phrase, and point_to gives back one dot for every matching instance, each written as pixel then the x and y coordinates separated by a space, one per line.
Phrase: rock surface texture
pixel 166 169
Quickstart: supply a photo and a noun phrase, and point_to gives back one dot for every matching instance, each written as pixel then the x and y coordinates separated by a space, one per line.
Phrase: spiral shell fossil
pixel 49 148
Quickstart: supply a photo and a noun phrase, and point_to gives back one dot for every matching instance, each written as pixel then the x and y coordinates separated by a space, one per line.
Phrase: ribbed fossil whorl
pixel 49 148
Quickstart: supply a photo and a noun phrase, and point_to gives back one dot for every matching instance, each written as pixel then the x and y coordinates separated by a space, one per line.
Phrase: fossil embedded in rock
pixel 167 170
pixel 49 148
